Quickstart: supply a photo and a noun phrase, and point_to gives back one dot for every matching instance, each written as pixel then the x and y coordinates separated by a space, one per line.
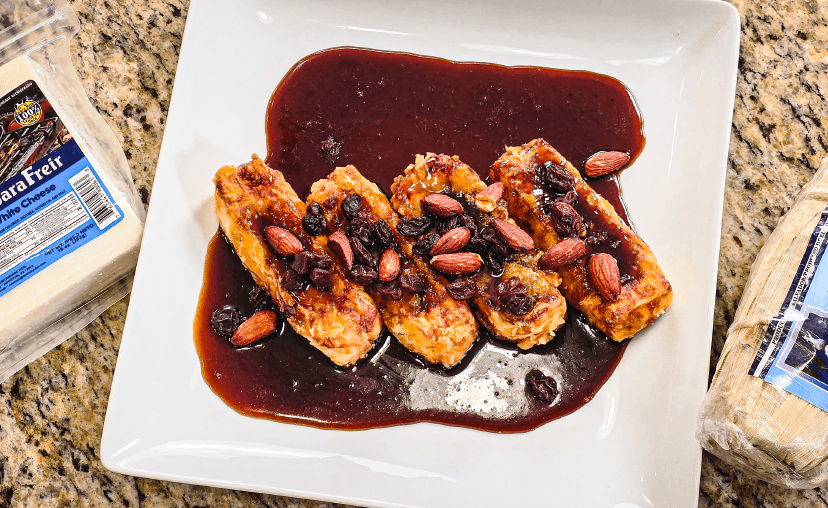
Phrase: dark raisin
pixel 423 247
pixel 361 254
pixel 362 229
pixel 478 244
pixel 461 289
pixel 389 290
pixel 322 261
pixel 225 321
pixel 315 209
pixel 495 243
pixel 384 234
pixel 519 304
pixel 413 282
pixel 565 220
pixel 541 386
pixel 510 287
pixel 330 150
pixel 468 222
pixel 291 281
pixel 303 262
pixel 363 275
pixel 557 177
pixel 351 205
pixel 569 198
pixel 448 224
pixel 321 278
pixel 314 224
pixel 495 262
pixel 413 226
pixel 489 234
pixel 329 203
pixel 260 298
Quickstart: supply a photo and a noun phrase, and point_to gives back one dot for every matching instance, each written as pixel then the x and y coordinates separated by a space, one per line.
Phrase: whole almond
pixel 389 265
pixel 454 240
pixel 256 327
pixel 442 205
pixel 339 244
pixel 486 199
pixel 603 271
pixel 562 254
pixel 457 263
pixel 283 241
pixel 514 237
pixel 604 163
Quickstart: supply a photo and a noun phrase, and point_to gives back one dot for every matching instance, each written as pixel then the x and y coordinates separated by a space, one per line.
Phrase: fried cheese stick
pixel 645 292
pixel 342 322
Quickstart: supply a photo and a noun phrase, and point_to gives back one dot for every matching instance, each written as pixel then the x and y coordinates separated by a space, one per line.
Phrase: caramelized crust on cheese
pixel 342 322
pixel 443 174
pixel 645 292
pixel 431 324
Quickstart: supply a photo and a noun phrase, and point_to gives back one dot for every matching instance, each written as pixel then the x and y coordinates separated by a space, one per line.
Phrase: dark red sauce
pixel 380 109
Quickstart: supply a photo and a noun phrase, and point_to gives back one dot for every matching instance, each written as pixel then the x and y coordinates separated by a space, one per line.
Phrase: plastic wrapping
pixel 766 408
pixel 70 218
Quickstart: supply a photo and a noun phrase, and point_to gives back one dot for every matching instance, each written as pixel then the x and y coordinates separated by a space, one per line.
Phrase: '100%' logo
pixel 27 112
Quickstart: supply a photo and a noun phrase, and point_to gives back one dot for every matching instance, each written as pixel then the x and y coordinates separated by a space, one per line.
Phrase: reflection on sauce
pixel 378 110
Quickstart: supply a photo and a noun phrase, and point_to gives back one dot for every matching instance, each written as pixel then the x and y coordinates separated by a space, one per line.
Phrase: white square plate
pixel 631 446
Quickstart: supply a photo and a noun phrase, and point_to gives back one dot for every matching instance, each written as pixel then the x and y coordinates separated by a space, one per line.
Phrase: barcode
pixel 94 198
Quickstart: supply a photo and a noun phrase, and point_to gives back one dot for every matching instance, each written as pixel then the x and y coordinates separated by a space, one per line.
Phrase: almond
pixel 442 205
pixel 339 244
pixel 389 265
pixel 454 240
pixel 603 270
pixel 256 327
pixel 283 241
pixel 486 199
pixel 514 237
pixel 604 163
pixel 562 254
pixel 457 263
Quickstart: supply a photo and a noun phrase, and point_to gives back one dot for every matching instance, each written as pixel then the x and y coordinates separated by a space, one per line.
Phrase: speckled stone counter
pixel 52 412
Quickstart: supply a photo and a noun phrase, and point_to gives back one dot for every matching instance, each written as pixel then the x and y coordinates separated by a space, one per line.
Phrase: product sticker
pixel 794 352
pixel 51 199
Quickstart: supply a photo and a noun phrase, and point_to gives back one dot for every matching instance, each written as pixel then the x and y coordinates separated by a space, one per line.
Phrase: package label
pixel 51 199
pixel 794 352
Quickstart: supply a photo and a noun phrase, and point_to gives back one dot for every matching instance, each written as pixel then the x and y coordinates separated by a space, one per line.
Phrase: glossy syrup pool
pixel 380 109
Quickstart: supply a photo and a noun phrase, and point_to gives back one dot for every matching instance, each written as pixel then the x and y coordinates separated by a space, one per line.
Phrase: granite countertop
pixel 52 412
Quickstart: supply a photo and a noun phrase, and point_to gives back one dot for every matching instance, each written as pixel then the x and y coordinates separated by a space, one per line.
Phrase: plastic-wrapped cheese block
pixel 766 408
pixel 70 219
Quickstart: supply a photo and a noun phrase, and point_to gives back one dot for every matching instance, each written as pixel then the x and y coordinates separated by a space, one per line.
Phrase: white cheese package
pixel 767 408
pixel 70 218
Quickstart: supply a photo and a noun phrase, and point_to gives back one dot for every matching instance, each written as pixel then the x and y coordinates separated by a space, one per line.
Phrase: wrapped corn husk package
pixel 767 408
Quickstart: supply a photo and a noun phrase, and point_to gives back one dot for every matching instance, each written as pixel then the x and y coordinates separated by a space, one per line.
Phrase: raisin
pixel 291 281
pixel 363 275
pixel 225 321
pixel 510 287
pixel 557 177
pixel 260 298
pixel 384 234
pixel 461 289
pixel 315 209
pixel 413 226
pixel 448 224
pixel 351 205
pixel 468 222
pixel 542 386
pixel 565 220
pixel 495 262
pixel 495 244
pixel 321 278
pixel 330 150
pixel 361 254
pixel 303 262
pixel 322 261
pixel 362 229
pixel 570 198
pixel 478 244
pixel 519 304
pixel 389 290
pixel 423 247
pixel 314 224
pixel 413 282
